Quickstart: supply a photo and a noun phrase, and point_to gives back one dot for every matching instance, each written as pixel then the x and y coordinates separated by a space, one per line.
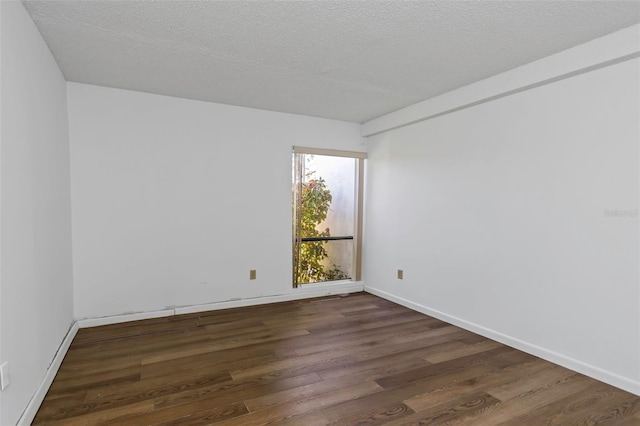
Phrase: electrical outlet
pixel 400 274
pixel 252 274
pixel 4 375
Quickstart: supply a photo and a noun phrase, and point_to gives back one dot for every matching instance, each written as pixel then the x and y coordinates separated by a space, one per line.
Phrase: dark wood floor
pixel 352 360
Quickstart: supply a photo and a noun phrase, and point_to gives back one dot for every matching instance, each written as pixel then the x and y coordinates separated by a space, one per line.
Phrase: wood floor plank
pixel 107 333
pixel 228 392
pixel 611 404
pixel 391 346
pixel 403 392
pixel 539 380
pixel 215 410
pixel 366 336
pixel 106 399
pixel 212 415
pixel 210 362
pixel 434 370
pixel 432 336
pixel 531 402
pixel 335 360
pixel 317 388
pixel 90 379
pixel 314 418
pixel 376 372
pixel 377 415
pixel 298 365
pixel 105 416
pixel 515 375
pixel 281 412
pixel 130 347
pixel 459 353
pixel 451 408
pixel 472 381
pixel 405 358
pixel 218 346
pixel 161 386
pixel 72 367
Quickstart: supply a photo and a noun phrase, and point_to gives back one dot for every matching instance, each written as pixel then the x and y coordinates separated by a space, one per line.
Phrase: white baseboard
pixel 597 373
pixel 116 319
pixel 36 400
pixel 315 290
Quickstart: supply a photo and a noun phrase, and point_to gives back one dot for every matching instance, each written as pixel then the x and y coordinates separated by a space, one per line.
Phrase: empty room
pixel 319 212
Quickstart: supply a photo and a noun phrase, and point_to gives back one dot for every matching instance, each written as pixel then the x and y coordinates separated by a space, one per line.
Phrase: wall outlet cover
pixel 252 274
pixel 400 274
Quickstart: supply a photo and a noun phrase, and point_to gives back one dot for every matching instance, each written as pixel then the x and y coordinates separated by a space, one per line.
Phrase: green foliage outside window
pixel 316 201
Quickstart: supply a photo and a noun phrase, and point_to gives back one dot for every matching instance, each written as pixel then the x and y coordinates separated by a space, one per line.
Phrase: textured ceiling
pixel 348 60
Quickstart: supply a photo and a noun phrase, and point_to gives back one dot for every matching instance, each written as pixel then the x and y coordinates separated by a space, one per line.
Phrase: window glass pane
pixel 338 176
pixel 337 265
pixel 325 217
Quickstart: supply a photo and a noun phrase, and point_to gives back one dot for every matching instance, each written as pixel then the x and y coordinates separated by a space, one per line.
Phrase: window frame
pixel 359 204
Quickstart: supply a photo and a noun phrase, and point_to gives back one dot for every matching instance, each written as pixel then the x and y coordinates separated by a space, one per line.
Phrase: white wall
pixel 168 192
pixel 35 240
pixel 496 213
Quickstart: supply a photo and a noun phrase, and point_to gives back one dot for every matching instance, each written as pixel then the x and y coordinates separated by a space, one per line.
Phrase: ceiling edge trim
pixel 605 51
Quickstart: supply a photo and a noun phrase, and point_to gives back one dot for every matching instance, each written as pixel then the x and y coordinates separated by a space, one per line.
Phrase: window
pixel 327 215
